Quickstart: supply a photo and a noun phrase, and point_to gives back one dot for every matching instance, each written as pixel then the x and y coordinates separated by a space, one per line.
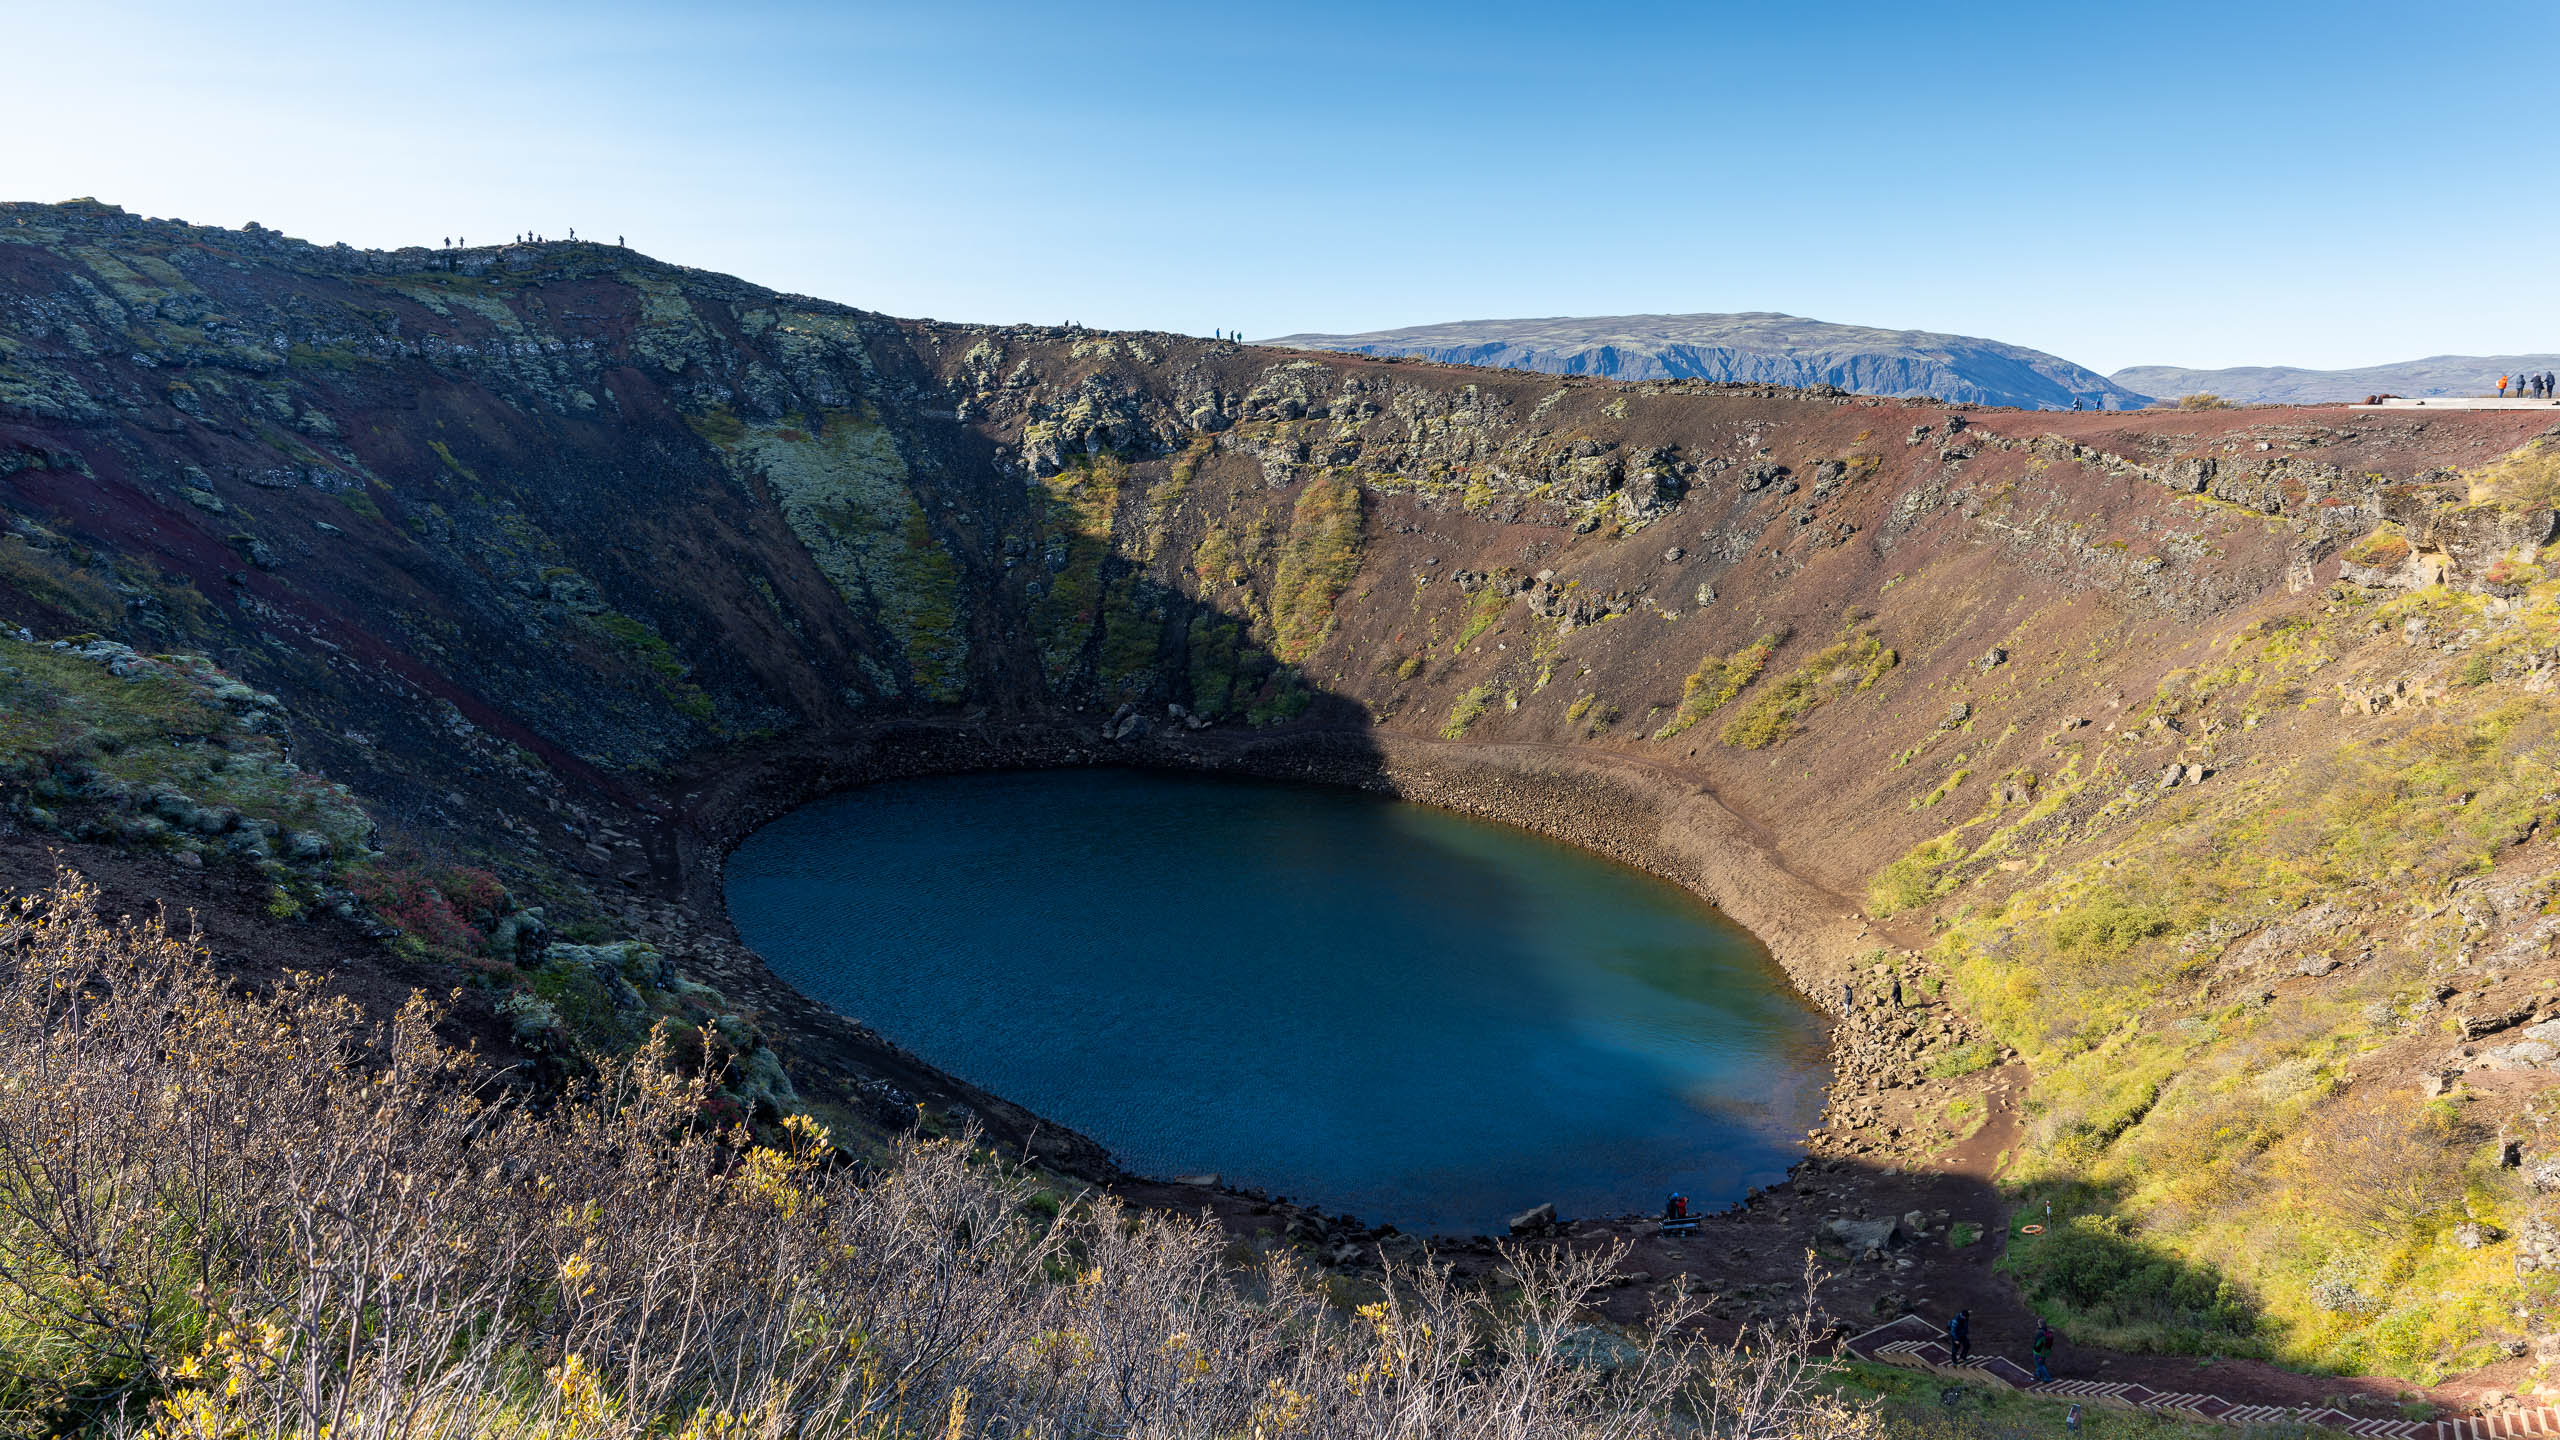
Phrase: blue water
pixel 1378 1008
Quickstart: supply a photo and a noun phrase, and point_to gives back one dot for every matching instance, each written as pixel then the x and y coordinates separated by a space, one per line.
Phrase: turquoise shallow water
pixel 1376 1007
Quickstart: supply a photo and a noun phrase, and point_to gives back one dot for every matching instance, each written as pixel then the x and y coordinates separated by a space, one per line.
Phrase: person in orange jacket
pixel 2502 387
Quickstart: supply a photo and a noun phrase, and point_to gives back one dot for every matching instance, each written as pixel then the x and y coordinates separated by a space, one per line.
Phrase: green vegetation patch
pixel 1717 680
pixel 1915 879
pixel 1965 1060
pixel 58 576
pixel 646 645
pixel 1851 665
pixel 2220 1181
pixel 1317 563
pixel 1075 508
pixel 845 493
pixel 167 751
pixel 2526 478
pixel 1469 708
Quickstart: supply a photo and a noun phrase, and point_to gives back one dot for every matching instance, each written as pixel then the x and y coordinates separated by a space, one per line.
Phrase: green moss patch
pixel 845 493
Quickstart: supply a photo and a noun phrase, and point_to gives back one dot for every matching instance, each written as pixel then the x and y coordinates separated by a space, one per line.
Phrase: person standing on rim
pixel 2502 387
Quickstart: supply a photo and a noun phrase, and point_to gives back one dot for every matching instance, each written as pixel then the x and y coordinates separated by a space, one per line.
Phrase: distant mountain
pixel 1757 348
pixel 2286 385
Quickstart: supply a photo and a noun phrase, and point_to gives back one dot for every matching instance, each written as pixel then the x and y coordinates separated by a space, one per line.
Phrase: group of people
pixel 1960 1343
pixel 1849 995
pixel 1675 1211
pixel 456 242
pixel 2529 387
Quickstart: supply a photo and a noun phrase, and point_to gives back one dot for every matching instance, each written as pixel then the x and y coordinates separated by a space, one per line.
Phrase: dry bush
pixel 226 1215
pixel 2383 1163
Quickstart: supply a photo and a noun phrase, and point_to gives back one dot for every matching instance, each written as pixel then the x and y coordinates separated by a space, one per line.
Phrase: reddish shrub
pixel 2380 552
pixel 413 900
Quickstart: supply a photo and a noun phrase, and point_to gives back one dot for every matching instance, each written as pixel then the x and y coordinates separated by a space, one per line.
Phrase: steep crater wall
pixel 568 565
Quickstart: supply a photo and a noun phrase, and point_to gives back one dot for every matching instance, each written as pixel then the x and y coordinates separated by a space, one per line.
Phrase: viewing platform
pixel 2460 402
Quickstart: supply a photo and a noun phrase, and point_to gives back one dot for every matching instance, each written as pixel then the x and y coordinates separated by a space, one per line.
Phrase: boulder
pixel 2476 1026
pixel 1592 1348
pixel 2471 1235
pixel 1862 1236
pixel 2523 1055
pixel 2537 1246
pixel 1536 1220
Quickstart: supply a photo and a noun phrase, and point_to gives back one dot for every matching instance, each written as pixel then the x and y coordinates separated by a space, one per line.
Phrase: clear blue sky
pixel 2324 184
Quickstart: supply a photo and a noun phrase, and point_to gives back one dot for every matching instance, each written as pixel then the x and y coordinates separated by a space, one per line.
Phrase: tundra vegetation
pixel 231 1214
pixel 2202 979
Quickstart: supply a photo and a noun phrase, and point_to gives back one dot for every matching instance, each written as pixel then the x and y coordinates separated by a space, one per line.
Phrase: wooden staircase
pixel 1916 1344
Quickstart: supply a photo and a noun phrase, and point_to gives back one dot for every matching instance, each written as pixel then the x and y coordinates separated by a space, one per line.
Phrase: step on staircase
pixel 1916 1344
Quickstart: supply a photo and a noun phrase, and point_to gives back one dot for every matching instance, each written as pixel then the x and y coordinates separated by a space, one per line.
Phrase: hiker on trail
pixel 1848 998
pixel 2042 1347
pixel 1676 1208
pixel 1960 1335
pixel 1897 992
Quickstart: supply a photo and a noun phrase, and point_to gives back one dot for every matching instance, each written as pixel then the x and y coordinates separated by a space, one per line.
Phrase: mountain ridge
pixel 1758 347
pixel 2435 375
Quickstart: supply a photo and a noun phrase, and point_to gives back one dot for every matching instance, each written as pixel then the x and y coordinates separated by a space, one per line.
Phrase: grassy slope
pixel 2237 1155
